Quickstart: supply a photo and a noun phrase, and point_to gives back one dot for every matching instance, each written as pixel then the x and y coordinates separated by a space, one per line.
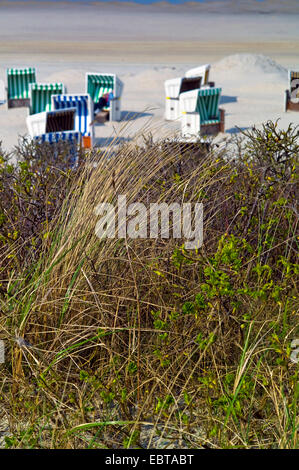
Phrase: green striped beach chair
pixel 40 96
pixel 201 114
pixel 98 84
pixel 292 94
pixel 18 83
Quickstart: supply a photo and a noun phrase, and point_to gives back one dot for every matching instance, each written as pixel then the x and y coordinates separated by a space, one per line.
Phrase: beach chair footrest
pixel 18 103
pixel 210 129
pixel 102 117
pixel 213 128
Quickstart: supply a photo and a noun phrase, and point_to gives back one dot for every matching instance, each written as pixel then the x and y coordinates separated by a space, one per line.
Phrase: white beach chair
pixel 193 80
pixel 173 88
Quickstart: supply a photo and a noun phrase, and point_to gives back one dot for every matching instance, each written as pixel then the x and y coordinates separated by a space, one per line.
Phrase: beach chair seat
pixel 40 96
pixel 292 93
pixel 18 82
pixel 84 114
pixel 51 121
pixel 98 84
pixel 201 114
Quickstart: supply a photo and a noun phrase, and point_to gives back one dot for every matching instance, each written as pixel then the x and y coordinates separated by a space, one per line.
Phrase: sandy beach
pixel 249 44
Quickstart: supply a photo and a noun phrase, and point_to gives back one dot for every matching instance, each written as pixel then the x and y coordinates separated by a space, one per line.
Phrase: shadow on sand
pixel 133 115
pixel 224 99
pixel 107 141
pixel 236 130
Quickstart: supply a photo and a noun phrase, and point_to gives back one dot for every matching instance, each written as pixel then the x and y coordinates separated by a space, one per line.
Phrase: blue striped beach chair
pixel 18 82
pixel 40 96
pixel 201 114
pixel 292 93
pixel 84 115
pixel 98 84
pixel 72 138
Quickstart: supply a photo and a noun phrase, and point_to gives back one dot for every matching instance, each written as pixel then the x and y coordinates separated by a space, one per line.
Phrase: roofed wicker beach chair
pixel 18 81
pixel 194 79
pixel 99 84
pixel 40 96
pixel 292 94
pixel 60 120
pixel 201 114
pixel 173 88
pixel 84 115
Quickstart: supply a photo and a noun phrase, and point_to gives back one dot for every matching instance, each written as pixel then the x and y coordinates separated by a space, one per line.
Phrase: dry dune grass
pixel 142 343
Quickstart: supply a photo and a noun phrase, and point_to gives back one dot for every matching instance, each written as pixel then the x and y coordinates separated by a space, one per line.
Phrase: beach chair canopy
pixel 40 96
pixel 205 102
pixel 175 86
pixel 84 107
pixel 18 81
pixel 203 71
pixel 98 84
pixel 51 121
pixel 294 83
pixel 61 120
